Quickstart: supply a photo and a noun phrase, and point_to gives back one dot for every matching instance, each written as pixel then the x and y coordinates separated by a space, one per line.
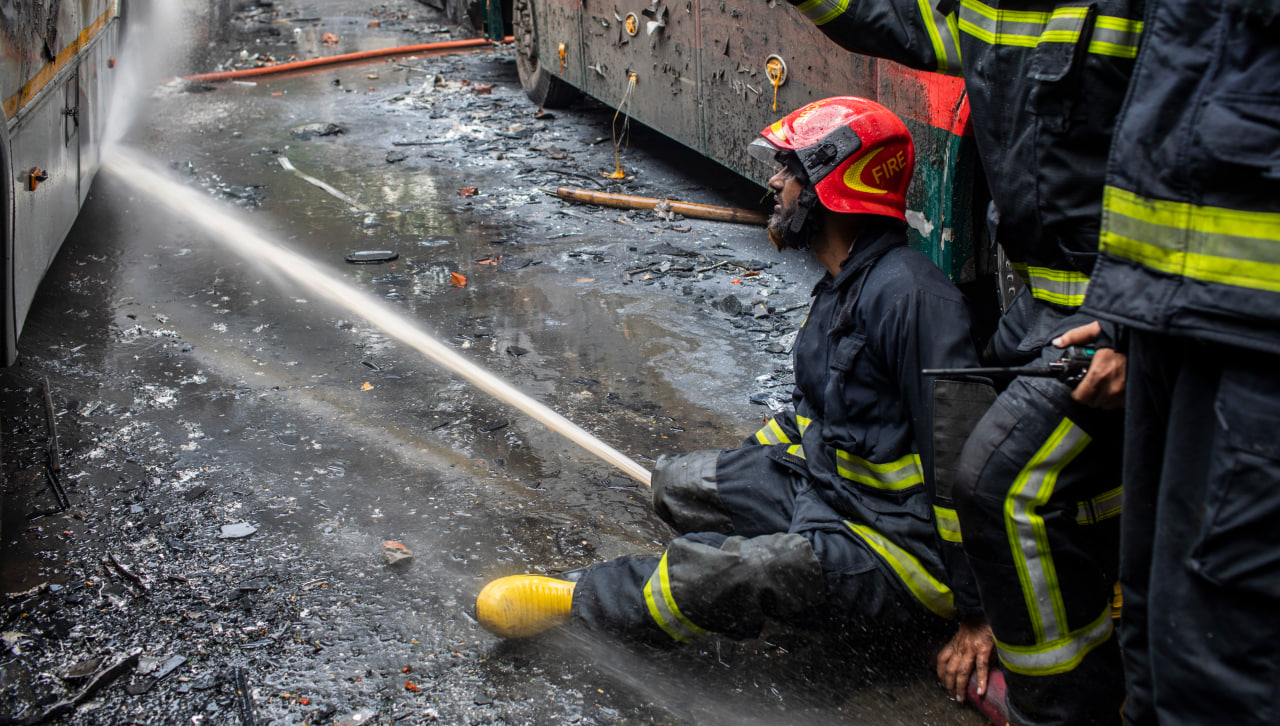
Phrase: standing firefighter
pixel 1191 261
pixel 828 513
pixel 1038 487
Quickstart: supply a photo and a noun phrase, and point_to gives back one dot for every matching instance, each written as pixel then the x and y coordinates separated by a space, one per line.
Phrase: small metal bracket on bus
pixel 36 176
pixel 775 69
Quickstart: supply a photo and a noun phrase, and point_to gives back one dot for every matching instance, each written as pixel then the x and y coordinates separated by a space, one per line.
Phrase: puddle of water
pixel 252 245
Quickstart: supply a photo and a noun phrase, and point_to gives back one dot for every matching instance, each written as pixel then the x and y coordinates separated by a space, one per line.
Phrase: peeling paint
pixel 920 223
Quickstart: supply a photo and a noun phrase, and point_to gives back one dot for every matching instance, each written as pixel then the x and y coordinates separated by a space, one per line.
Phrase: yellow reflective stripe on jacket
pixel 773 433
pixel 927 589
pixel 662 606
pixel 948 524
pixel 1115 37
pixel 944 34
pixel 1028 537
pixel 822 12
pixel 796 451
pixel 1061 287
pixel 1057 656
pixel 1212 244
pixel 892 475
pixel 1112 36
pixel 1101 508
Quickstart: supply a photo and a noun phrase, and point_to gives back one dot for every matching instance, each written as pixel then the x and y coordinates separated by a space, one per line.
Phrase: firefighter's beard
pixel 779 223
pixel 779 227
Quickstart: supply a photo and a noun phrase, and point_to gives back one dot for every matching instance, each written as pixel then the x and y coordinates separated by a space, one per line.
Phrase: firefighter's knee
pixel 732 588
pixel 685 495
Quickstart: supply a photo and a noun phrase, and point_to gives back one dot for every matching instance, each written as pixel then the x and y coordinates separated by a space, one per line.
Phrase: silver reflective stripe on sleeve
pixel 822 12
pixel 944 35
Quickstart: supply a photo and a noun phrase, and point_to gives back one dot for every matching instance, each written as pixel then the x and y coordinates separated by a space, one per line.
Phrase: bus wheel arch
pixel 540 85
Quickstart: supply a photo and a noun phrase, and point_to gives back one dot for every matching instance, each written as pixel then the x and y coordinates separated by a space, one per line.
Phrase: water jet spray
pixel 221 224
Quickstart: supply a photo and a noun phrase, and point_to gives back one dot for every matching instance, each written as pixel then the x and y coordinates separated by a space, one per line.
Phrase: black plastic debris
pixel 372 257
pixel 244 698
pixel 395 157
pixel 729 304
pixel 501 423
pixel 308 131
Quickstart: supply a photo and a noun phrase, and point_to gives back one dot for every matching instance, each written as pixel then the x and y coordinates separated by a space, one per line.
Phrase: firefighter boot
pixel 523 605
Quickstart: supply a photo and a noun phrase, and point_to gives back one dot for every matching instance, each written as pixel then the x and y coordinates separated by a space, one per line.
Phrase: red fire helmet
pixel 857 154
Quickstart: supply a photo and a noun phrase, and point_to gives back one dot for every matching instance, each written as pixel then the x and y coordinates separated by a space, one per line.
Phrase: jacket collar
pixel 870 246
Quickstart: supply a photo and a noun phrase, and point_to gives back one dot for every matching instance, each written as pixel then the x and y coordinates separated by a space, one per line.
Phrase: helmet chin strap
pixel 798 231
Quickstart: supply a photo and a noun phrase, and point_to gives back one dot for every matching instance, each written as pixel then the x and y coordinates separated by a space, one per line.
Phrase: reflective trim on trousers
pixel 662 607
pixel 924 586
pixel 1211 244
pixel 1028 536
pixel 948 524
pixel 1059 655
pixel 893 476
pixel 1101 508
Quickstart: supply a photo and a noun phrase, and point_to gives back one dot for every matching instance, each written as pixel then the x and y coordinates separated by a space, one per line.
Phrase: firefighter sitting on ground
pixel 829 513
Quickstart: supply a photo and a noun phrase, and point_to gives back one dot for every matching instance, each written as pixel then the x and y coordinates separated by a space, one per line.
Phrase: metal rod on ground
pixel 55 455
pixel 244 699
pixel 252 244
pixel 688 209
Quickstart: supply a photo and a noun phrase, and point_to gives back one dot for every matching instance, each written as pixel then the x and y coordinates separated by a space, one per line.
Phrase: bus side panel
pixel 559 22
pixel 47 139
pixel 738 96
pixel 665 62
pixel 96 83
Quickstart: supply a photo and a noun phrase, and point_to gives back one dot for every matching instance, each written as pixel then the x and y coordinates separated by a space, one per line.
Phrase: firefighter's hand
pixel 968 655
pixel 1103 385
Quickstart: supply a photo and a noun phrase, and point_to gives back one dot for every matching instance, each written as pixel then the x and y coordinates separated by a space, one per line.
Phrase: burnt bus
pixel 56 77
pixel 712 73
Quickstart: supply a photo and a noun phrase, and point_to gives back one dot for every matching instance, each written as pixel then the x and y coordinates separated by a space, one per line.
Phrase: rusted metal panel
pixel 560 27
pixel 739 37
pixel 658 43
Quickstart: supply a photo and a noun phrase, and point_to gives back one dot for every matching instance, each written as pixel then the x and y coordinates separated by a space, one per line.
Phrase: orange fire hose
pixel 688 209
pixel 344 58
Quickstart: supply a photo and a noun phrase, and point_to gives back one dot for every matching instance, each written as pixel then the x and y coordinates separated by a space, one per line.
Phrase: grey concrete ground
pixel 198 394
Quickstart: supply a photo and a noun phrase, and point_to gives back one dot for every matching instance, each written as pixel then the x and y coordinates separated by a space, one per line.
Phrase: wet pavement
pixel 236 450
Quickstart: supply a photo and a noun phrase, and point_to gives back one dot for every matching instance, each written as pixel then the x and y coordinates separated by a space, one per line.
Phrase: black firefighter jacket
pixel 1045 81
pixel 1191 221
pixel 861 425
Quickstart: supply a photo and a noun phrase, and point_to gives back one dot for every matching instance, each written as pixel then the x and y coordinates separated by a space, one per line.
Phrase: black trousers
pixel 757 542
pixel 1200 568
pixel 1038 497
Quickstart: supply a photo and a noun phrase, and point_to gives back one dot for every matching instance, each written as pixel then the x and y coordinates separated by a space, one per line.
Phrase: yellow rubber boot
pixel 523 605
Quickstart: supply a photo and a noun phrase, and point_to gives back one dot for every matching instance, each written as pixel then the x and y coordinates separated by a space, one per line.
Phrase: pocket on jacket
pixel 1239 541
pixel 1244 130
pixel 846 352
